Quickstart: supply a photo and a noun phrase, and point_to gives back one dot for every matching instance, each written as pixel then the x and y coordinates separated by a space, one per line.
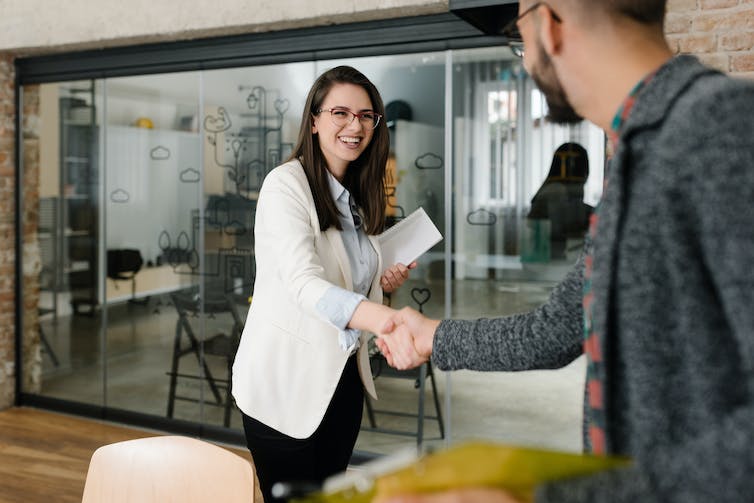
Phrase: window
pixel 148 189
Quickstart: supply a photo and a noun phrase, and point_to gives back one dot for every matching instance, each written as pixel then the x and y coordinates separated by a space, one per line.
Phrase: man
pixel 662 301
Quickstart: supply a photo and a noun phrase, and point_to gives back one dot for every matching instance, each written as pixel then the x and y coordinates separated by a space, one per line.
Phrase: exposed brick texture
pixel 678 22
pixel 721 32
pixel 682 5
pixel 742 62
pixel 32 357
pixel 7 232
pixel 738 41
pixel 718 4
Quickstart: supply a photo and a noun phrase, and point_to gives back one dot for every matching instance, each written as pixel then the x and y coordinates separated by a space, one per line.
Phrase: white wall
pixel 35 26
pixel 147 194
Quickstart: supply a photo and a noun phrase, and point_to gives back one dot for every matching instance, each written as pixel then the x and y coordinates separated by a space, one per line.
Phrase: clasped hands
pixel 406 338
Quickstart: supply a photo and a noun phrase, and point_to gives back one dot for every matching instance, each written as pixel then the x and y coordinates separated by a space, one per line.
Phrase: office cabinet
pixel 75 233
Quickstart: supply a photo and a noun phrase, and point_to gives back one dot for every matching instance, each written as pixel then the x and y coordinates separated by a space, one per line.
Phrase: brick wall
pixel 7 232
pixel 720 32
pixel 32 356
pixel 31 346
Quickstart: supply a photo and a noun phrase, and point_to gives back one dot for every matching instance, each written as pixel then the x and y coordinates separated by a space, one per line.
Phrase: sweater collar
pixel 656 98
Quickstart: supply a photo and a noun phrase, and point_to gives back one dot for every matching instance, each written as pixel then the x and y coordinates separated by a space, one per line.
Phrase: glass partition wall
pixel 521 199
pixel 147 196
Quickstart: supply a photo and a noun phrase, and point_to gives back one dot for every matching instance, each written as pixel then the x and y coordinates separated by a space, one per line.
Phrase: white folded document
pixel 407 240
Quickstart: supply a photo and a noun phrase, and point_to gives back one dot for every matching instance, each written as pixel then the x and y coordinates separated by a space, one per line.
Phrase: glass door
pixel 68 237
pixel 147 199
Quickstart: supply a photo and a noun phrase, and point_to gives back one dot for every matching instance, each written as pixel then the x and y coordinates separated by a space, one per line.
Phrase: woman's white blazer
pixel 289 361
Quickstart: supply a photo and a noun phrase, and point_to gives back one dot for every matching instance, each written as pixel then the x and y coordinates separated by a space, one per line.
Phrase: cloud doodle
pixel 120 196
pixel 428 161
pixel 189 175
pixel 159 153
pixel 481 217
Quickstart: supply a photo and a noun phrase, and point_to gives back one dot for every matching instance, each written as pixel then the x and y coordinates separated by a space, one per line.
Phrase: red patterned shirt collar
pixel 613 134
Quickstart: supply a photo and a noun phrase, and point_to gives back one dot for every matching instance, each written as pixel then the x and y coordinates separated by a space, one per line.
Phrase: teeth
pixel 349 139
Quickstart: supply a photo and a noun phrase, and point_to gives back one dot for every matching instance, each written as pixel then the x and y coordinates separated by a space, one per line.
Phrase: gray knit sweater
pixel 673 282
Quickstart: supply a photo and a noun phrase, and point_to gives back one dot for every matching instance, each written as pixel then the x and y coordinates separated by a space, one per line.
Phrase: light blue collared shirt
pixel 337 305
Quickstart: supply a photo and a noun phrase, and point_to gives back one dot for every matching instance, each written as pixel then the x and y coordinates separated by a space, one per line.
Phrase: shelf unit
pixel 69 221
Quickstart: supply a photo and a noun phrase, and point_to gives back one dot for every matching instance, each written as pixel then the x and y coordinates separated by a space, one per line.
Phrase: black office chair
pixel 380 368
pixel 222 344
pixel 124 264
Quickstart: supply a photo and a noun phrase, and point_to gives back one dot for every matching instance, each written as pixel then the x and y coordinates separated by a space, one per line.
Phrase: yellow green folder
pixel 515 469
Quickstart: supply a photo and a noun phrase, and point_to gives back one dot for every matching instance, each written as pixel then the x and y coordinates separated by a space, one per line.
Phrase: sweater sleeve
pixel 548 337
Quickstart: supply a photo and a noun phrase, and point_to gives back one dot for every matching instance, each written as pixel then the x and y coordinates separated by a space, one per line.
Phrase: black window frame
pixel 430 33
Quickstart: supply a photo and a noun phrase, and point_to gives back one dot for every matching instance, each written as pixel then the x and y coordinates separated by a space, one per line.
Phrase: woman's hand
pixel 395 276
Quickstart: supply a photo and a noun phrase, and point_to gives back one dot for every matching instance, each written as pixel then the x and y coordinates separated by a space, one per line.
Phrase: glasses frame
pixel 354 115
pixel 513 34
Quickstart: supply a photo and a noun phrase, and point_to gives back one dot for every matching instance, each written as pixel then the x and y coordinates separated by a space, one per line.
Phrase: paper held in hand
pixel 407 240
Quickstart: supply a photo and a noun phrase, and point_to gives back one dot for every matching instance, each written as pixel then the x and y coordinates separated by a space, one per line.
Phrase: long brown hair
pixel 365 177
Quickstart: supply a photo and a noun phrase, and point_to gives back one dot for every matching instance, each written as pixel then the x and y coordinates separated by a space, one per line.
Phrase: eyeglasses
pixel 513 34
pixel 342 117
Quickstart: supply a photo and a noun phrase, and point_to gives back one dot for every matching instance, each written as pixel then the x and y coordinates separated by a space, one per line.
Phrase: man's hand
pixel 468 495
pixel 406 339
pixel 399 350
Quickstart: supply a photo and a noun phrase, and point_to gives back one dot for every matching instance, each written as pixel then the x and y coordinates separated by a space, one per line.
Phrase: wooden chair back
pixel 167 469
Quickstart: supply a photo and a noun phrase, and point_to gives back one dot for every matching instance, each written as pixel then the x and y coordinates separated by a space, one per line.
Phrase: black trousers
pixel 280 458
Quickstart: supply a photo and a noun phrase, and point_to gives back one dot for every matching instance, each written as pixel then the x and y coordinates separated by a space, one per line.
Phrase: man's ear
pixel 550 31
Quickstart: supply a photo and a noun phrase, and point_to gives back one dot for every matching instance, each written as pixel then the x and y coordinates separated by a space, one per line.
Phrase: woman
pixel 560 200
pixel 302 365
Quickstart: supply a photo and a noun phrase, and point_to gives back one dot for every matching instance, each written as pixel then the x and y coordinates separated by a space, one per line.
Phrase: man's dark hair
pixel 650 12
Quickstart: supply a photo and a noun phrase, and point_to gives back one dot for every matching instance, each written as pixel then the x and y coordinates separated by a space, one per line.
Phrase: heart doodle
pixel 281 105
pixel 420 295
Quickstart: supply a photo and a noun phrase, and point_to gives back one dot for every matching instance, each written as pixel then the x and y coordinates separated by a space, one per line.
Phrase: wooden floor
pixel 44 456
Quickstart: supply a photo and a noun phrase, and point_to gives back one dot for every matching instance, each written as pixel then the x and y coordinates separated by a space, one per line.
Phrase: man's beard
pixel 559 110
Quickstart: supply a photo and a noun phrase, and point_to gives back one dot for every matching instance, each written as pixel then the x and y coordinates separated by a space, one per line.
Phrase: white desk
pixel 148 281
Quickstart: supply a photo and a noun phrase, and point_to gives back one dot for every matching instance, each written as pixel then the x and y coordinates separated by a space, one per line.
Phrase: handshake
pixel 406 337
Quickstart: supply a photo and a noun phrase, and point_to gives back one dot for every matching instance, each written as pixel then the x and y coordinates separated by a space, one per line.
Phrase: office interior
pixel 147 178
pixel 147 193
